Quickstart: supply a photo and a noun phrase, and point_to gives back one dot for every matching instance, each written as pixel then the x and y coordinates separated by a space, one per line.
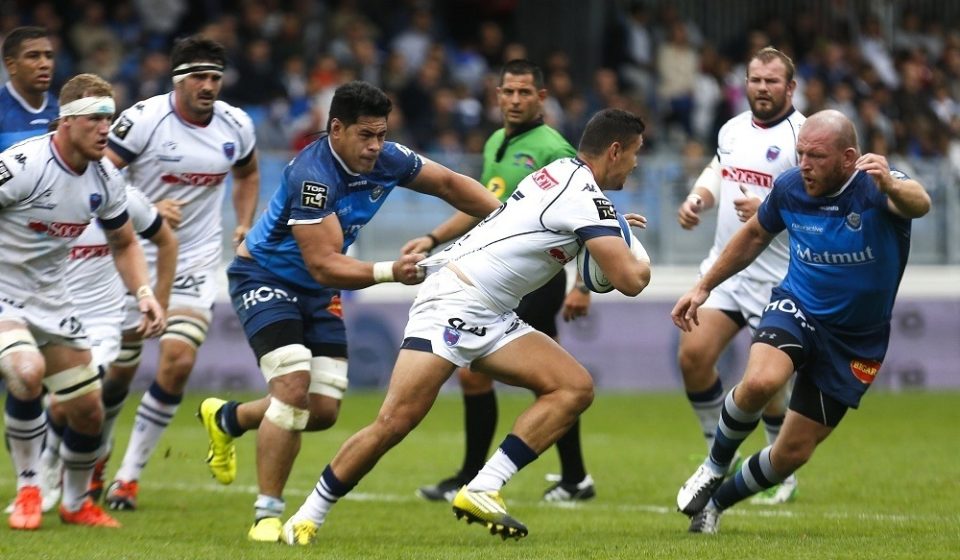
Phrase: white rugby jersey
pixel 169 157
pixel 753 156
pixel 541 227
pixel 45 206
pixel 92 278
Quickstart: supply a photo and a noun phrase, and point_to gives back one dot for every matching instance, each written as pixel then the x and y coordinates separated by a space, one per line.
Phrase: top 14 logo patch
pixel 313 195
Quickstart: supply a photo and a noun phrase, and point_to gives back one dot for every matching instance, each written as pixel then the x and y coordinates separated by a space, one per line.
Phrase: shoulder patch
pixel 313 195
pixel 5 174
pixel 122 128
pixel 605 209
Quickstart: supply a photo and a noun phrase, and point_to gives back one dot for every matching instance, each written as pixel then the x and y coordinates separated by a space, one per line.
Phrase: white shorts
pixel 448 315
pixel 194 288
pixel 104 334
pixel 49 315
pixel 743 295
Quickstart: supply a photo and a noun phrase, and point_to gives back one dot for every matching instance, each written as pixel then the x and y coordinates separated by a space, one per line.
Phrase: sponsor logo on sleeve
pixel 22 160
pixel 605 209
pixel 122 128
pixel 865 370
pixel 313 195
pixel 544 180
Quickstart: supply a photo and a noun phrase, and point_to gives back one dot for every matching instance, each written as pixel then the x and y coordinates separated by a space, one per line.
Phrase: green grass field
pixel 886 485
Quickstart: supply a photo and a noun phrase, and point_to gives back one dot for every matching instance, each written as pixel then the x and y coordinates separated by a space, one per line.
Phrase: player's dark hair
pixel 14 39
pixel 609 126
pixel 520 67
pixel 767 54
pixel 197 48
pixel 358 99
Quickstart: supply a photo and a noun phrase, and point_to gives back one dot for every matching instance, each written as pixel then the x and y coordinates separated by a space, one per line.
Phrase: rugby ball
pixel 594 278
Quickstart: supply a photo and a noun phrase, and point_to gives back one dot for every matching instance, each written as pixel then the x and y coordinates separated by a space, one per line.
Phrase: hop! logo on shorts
pixel 865 370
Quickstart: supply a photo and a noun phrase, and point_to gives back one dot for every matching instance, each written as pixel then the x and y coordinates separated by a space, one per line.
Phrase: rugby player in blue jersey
pixel 26 106
pixel 848 217
pixel 286 279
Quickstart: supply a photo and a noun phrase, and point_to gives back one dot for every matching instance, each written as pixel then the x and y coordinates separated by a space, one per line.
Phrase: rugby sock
pixel 79 453
pixel 227 419
pixel 112 406
pixel 480 423
pixel 707 405
pixel 328 490
pixel 512 455
pixel 756 475
pixel 51 445
pixel 25 427
pixel 734 427
pixel 772 425
pixel 572 470
pixel 155 412
pixel 267 506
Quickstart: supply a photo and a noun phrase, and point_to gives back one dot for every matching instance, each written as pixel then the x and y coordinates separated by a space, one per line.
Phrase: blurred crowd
pixel 897 77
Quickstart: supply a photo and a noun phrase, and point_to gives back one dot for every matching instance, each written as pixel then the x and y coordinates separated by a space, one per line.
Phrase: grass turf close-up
pixel 884 485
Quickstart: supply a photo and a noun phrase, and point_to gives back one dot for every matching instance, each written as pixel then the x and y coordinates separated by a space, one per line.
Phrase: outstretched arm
pixel 321 245
pixel 742 249
pixel 462 192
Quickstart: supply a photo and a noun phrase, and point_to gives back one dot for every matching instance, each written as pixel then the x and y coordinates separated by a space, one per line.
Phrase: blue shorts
pixel 260 299
pixel 840 363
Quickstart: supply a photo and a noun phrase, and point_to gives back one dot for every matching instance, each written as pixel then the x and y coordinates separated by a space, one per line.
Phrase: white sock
pixel 25 438
pixel 494 474
pixel 152 419
pixel 110 415
pixel 79 454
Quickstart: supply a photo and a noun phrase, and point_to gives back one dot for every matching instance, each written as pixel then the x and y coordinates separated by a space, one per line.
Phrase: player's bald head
pixel 834 124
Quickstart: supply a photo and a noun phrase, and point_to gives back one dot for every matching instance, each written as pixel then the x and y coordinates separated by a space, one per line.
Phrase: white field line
pixel 582 507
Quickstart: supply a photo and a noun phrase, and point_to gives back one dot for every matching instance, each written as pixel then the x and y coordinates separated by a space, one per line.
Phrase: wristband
pixel 582 288
pixel 383 271
pixel 144 292
pixel 434 239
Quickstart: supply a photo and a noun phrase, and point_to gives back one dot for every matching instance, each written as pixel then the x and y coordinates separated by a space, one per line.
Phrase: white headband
pixel 181 72
pixel 88 106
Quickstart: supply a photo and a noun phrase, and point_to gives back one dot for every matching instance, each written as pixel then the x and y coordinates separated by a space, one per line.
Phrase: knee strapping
pixel 328 376
pixel 129 356
pixel 72 383
pixel 284 360
pixel 287 417
pixel 16 340
pixel 186 329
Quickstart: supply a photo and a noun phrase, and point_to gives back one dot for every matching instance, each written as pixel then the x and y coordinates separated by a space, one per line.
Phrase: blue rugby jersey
pixel 19 121
pixel 314 185
pixel 847 251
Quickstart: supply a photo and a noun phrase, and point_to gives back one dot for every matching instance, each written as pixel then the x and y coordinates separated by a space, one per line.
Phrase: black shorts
pixel 808 400
pixel 539 308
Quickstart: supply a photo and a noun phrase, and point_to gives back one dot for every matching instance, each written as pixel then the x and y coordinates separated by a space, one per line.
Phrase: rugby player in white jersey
pixel 99 296
pixel 464 315
pixel 753 148
pixel 178 148
pixel 51 187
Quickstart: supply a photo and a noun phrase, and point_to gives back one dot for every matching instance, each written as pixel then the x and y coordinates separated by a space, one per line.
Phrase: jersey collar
pixel 62 162
pixel 183 118
pixel 772 124
pixel 523 128
pixel 342 164
pixel 23 102
pixel 845 185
